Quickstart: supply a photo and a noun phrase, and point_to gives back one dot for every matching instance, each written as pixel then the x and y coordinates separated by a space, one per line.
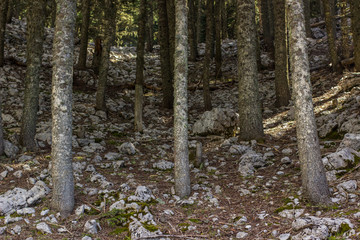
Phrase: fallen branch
pixel 60 226
pixel 175 236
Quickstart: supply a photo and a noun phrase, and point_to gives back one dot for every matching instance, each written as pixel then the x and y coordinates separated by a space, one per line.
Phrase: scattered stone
pixel 142 194
pixel 43 227
pixel 286 151
pixel 249 161
pixel 18 174
pixel 340 159
pixel 24 158
pixel 26 211
pixel 137 230
pixel 10 149
pixel 111 156
pixel 163 165
pixel 127 148
pixel 92 226
pixel 350 140
pixel 241 235
pixel 16 230
pixel 284 236
pixel 238 149
pixel 86 238
pixel 291 213
pixel 286 160
pixel 348 186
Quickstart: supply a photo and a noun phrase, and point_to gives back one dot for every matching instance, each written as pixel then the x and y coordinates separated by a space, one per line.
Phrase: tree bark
pixel 218 73
pixel 345 30
pixel 355 24
pixel 150 28
pixel 109 26
pixel 313 174
pixel 34 50
pixel 10 10
pixel 224 33
pixel 281 59
pixel 139 82
pixel 62 77
pixel 85 11
pixel 3 10
pixel 1 132
pixel 207 58
pixel 198 20
pixel 307 12
pixel 266 25
pixel 166 72
pixel 250 119
pixel 181 151
pixel 192 31
pixel 331 34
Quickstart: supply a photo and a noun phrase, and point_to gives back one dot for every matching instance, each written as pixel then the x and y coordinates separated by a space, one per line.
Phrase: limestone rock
pixel 127 148
pixel 163 165
pixel 10 149
pixel 92 226
pixel 43 227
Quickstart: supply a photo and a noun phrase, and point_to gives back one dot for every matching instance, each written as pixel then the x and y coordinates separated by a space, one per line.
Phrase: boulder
pixel 10 149
pixel 340 159
pixel 216 121
pixel 350 140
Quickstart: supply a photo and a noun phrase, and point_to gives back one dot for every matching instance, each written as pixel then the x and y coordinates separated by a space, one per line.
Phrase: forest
pixel 179 119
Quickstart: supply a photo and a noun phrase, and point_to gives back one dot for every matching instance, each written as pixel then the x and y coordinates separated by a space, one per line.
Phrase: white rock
pixel 18 174
pixel 10 149
pixel 86 238
pixel 43 227
pixel 92 227
pixel 111 156
pixel 25 211
pixel 163 165
pixel 284 236
pixel 291 213
pixel 348 186
pixel 127 148
pixel 16 229
pixel 24 158
pixel 287 151
pixel 238 149
pixel 241 235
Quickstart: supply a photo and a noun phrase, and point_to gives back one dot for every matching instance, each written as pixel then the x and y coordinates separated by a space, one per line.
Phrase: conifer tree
pixel 3 10
pixel 85 11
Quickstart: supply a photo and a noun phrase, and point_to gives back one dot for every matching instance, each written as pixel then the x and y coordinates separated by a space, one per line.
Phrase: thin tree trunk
pixel 85 10
pixel 355 24
pixel 250 119
pixel 3 10
pixel 307 11
pixel 331 34
pixel 140 50
pixel 62 77
pixel 192 31
pixel 109 26
pixel 312 170
pixel 10 10
pixel 181 152
pixel 150 28
pixel 265 19
pixel 198 19
pixel 170 7
pixel 345 30
pixel 34 50
pixel 281 59
pixel 95 64
pixel 1 132
pixel 166 73
pixel 207 58
pixel 224 33
pixel 218 62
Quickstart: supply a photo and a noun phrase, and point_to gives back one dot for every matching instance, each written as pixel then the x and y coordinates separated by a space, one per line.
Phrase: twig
pixel 92 206
pixel 264 145
pixel 57 225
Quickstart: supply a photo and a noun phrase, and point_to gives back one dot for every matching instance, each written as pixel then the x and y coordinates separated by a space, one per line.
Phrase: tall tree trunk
pixel 85 11
pixel 345 30
pixel 1 132
pixel 224 34
pixel 265 19
pixel 331 34
pixel 109 22
pixel 355 24
pixel 181 152
pixel 150 28
pixel 281 59
pixel 62 77
pixel 3 10
pixel 192 31
pixel 140 50
pixel 218 73
pixel 207 58
pixel 250 119
pixel 10 10
pixel 198 20
pixel 312 170
pixel 166 72
pixel 34 50
pixel 95 64
pixel 170 7
pixel 307 11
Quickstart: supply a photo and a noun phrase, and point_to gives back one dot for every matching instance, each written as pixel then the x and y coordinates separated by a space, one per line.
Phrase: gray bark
pixel 307 12
pixel 345 30
pixel 281 59
pixel 3 11
pixel 266 25
pixel 218 73
pixel 34 50
pixel 149 24
pixel 313 174
pixel 62 77
pixel 181 151
pixel 207 58
pixel 85 11
pixel 109 26
pixel 250 119
pixel 192 30
pixel 355 24
pixel 140 50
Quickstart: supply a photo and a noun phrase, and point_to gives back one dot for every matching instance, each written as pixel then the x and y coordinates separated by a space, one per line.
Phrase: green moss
pixel 286 207
pixel 334 135
pixel 344 227
pixel 151 228
pixel 98 140
pixel 184 226
pixel 192 155
pixel 118 134
pixel 119 231
pixel 117 217
pixel 92 211
pixel 195 220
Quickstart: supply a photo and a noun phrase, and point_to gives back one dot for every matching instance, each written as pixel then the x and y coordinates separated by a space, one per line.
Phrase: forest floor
pixel 223 204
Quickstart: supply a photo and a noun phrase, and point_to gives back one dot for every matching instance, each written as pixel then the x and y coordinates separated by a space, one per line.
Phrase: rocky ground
pixel 124 180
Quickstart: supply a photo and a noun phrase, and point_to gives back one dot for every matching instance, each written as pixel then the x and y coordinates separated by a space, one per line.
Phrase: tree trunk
pixel 224 34
pixel 207 58
pixel 345 30
pixel 307 11
pixel 250 119
pixel 166 73
pixel 1 132
pixel 313 174
pixel 97 54
pixel 109 26
pixel 62 77
pixel 355 24
pixel 170 7
pixel 181 152
pixel 265 19
pixel 192 31
pixel 3 10
pixel 85 11
pixel 281 59
pixel 218 73
pixel 198 20
pixel 140 68
pixel 10 10
pixel 150 28
pixel 331 34
pixel 34 50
